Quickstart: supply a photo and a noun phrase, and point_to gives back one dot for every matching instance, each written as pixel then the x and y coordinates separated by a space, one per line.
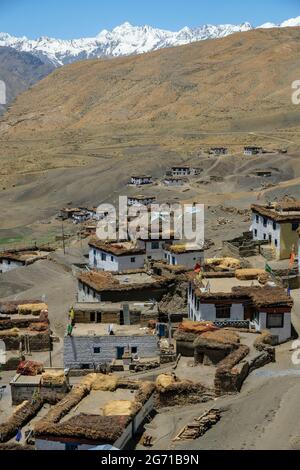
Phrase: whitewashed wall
pixel 5 266
pixel 269 230
pixel 283 333
pixel 114 263
pixel 188 259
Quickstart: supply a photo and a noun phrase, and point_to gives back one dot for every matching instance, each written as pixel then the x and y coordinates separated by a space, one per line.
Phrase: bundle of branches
pixel 21 416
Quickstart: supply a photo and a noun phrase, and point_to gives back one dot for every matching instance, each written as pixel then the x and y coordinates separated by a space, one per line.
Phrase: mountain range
pixel 123 40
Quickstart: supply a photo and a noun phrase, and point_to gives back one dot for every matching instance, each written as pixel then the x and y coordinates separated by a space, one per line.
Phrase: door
pixel 120 352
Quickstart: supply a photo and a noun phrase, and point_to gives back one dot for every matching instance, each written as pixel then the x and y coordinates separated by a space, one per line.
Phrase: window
pixel 166 256
pixel 103 256
pixel 295 227
pixel 223 311
pixel 257 219
pixel 134 350
pixel 265 236
pixel 155 246
pixel 93 317
pixel 274 226
pixel 132 260
pixel 173 260
pixel 275 320
pixel 270 238
pixel 276 243
pixel 112 259
pixel 265 222
pixel 95 252
pixel 255 232
pixel 97 350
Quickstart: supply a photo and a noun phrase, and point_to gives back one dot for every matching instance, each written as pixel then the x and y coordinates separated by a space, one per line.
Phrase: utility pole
pixel 63 236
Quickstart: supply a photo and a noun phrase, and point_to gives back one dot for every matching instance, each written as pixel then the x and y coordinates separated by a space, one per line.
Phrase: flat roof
pixel 103 281
pixel 24 256
pixel 114 306
pixel 279 212
pixel 101 329
pixel 232 288
pixel 117 248
pixel 183 248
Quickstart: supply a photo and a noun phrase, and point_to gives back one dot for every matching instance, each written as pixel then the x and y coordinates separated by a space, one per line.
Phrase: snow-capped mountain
pixel 123 40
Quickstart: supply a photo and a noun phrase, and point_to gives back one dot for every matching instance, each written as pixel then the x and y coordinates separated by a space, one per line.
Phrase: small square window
pixel 132 260
pixel 134 350
pixel 275 320
pixel 295 227
pixel 97 350
pixel 223 312
pixel 155 245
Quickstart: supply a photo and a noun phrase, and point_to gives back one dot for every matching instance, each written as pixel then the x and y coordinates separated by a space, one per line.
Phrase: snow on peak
pixel 291 22
pixel 125 39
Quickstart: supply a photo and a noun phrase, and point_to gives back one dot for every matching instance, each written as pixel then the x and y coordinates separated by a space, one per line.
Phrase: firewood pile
pixel 199 426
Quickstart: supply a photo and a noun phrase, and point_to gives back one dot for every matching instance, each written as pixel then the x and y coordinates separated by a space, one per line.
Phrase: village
pixel 113 337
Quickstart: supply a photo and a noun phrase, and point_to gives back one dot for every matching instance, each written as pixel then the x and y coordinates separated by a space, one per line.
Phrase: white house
pixel 260 308
pixel 140 180
pixel 14 259
pixel 183 255
pixel 141 200
pixel 114 256
pixel 253 150
pixel 278 224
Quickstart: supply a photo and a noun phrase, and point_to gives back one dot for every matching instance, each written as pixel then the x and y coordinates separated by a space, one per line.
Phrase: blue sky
pixel 77 18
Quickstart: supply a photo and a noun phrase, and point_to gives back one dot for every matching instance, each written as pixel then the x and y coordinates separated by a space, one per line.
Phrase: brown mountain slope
pixel 240 82
pixel 81 132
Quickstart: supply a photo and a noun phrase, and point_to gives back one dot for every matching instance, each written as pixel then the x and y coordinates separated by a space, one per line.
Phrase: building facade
pixel 278 226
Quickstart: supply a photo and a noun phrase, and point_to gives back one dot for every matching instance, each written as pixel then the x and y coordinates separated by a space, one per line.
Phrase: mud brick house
pixel 277 224
pixel 141 200
pixel 13 259
pixel 131 287
pixel 115 256
pixel 253 150
pixel 139 313
pixel 91 416
pixel 184 255
pixel 174 181
pixel 218 151
pixel 140 180
pixel 92 345
pixel 259 308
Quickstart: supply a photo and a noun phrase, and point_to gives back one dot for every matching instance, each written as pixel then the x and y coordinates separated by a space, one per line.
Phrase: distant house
pixel 133 286
pixel 186 255
pixel 174 181
pixel 141 200
pixel 140 180
pixel 218 151
pixel 116 256
pixel 13 259
pixel 94 344
pixel 253 150
pixel 278 224
pixel 180 170
pixel 260 308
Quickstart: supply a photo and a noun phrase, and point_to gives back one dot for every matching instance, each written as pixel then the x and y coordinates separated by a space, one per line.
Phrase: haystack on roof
pixel 260 296
pixel 121 408
pixel 221 339
pixel 117 249
pixel 279 212
pixel 106 281
pixel 88 428
pixel 197 327
pixel 184 248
